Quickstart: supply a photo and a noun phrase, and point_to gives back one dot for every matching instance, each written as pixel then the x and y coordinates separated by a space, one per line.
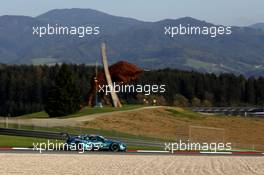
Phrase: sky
pixel 226 12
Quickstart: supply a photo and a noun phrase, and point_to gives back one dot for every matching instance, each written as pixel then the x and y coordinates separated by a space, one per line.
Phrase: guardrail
pixel 245 111
pixel 28 133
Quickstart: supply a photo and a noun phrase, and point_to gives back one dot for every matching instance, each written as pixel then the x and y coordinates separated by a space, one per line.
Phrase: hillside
pixel 143 43
pixel 175 123
pixel 258 26
pixel 167 123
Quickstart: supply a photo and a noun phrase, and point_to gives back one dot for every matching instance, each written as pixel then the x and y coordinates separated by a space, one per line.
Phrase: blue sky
pixel 227 12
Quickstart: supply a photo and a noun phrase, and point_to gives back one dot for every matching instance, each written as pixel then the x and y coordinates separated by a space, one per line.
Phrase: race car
pixel 94 143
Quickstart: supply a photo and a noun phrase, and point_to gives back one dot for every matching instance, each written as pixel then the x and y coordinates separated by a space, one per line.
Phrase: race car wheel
pixel 78 146
pixel 114 147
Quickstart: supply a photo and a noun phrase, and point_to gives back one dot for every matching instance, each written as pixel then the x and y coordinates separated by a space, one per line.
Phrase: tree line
pixel 26 88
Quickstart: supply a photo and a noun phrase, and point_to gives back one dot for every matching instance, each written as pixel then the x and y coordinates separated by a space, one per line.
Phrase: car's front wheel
pixel 114 147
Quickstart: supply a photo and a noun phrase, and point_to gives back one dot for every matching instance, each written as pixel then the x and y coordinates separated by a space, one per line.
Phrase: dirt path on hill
pixel 75 121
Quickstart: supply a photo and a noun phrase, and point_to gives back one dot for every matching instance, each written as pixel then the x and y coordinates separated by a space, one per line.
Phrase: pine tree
pixel 64 95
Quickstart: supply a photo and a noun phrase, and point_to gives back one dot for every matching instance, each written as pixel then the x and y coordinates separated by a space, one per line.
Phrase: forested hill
pixel 139 42
pixel 24 88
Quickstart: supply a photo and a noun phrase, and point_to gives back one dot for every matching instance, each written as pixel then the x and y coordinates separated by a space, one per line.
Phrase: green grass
pixel 83 112
pixel 197 64
pixel 201 64
pixel 42 61
pixel 17 141
pixel 90 111
pixel 34 115
pixel 78 130
pixel 185 114
pixel 27 142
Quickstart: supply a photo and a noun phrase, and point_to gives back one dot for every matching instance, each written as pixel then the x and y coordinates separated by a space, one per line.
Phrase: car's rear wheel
pixel 79 146
pixel 114 147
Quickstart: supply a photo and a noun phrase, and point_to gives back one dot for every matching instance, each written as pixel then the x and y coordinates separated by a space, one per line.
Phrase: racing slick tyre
pixel 79 146
pixel 114 147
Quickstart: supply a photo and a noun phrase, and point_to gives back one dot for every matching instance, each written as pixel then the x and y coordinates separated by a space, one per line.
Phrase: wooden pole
pixel 115 99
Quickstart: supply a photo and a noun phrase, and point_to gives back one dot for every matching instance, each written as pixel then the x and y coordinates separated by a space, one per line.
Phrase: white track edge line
pixel 17 148
pixel 216 152
pixel 152 151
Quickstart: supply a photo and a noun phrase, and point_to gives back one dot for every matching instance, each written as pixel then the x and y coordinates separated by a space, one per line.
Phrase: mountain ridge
pixel 258 26
pixel 139 42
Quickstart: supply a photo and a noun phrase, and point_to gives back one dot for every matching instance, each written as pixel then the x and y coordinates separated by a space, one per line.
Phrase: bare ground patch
pixel 131 165
pixel 160 123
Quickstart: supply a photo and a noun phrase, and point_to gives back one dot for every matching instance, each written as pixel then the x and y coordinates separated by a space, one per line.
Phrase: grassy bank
pixel 82 112
pixel 27 142
pixel 17 141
